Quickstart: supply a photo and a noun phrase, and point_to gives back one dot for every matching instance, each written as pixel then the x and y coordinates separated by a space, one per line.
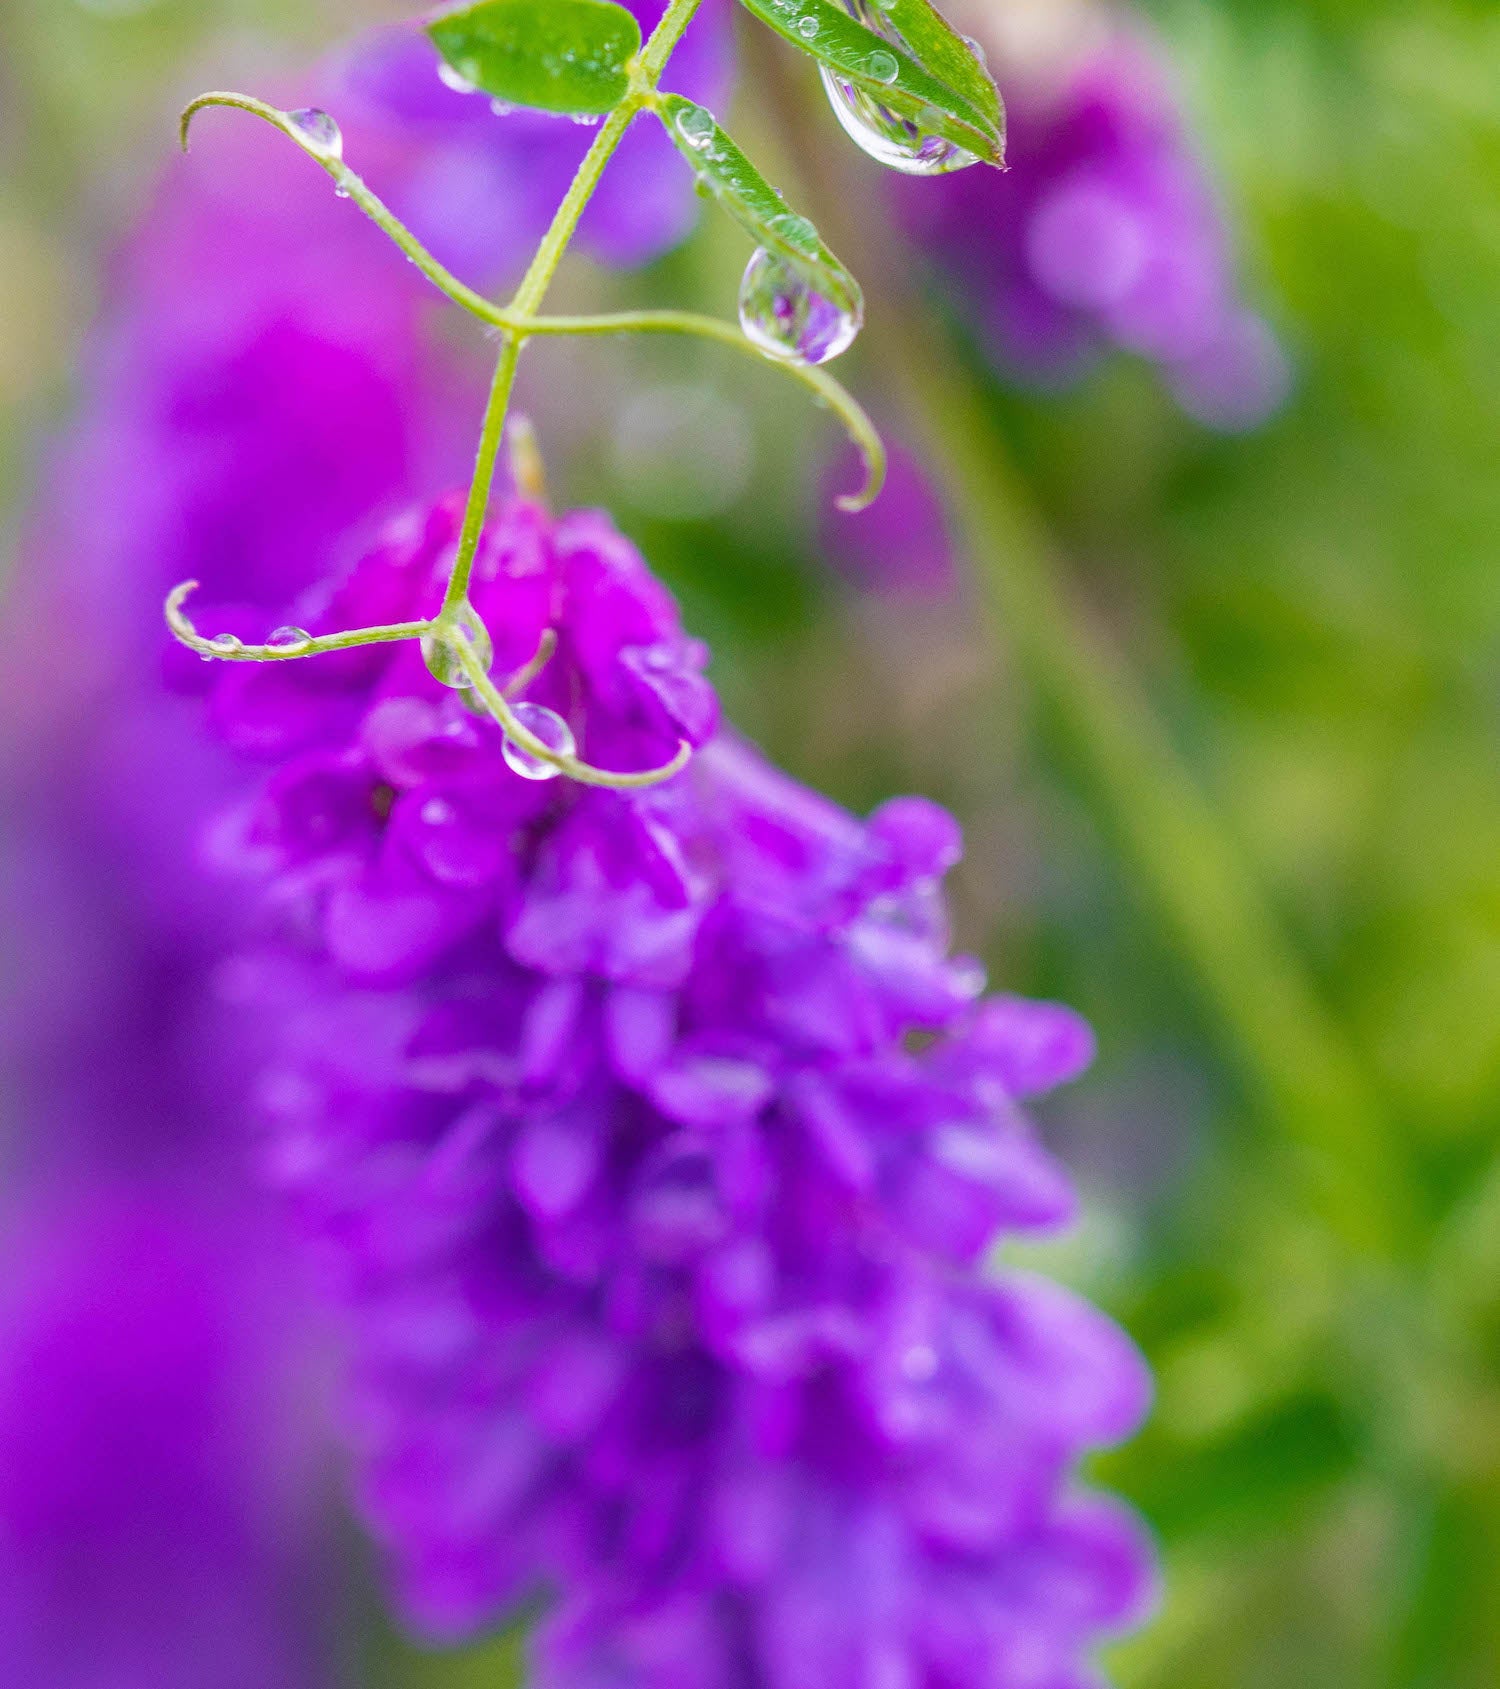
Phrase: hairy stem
pixel 482 483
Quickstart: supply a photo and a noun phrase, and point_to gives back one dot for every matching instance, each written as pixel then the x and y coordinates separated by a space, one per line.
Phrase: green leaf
pixel 555 55
pixel 968 115
pixel 753 203
pixel 937 45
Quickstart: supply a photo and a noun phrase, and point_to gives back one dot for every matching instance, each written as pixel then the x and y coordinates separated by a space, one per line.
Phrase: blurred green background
pixel 1219 717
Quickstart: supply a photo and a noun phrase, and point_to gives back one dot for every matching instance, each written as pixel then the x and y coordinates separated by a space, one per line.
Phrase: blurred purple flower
pixel 481 188
pixel 1105 230
pixel 156 1529
pixel 663 1242
pixel 903 548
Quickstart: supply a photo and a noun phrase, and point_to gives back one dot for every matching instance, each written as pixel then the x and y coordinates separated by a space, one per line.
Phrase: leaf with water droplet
pixel 937 82
pixel 951 57
pixel 553 55
pixel 756 206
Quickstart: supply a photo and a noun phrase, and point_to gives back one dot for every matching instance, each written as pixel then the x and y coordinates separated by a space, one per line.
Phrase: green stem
pixel 353 188
pixel 477 505
pixel 184 630
pixel 498 703
pixel 529 296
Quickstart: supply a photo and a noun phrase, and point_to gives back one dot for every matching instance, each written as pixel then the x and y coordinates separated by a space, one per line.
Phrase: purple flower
pixel 155 1526
pixel 254 395
pixel 657 1146
pixel 1106 230
pixel 905 548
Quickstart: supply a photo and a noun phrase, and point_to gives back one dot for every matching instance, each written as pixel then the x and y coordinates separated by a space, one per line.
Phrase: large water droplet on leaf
pixel 320 134
pixel 548 726
pixel 898 142
pixel 442 659
pixel 785 315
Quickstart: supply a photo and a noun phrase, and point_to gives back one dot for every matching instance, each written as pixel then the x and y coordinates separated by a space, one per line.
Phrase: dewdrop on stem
pixel 441 655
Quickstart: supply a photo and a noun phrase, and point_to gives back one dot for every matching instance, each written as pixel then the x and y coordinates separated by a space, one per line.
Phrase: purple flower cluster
pixel 1105 230
pixel 657 1147
pixel 258 394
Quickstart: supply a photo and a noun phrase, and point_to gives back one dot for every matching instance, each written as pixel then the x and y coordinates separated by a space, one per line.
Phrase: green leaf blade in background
pixel 569 56
pixel 753 203
pixel 826 32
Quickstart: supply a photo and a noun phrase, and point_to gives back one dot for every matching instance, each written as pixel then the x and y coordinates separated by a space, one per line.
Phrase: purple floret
pixel 658 1148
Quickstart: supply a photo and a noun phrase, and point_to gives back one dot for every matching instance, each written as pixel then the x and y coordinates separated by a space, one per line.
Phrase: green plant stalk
pixel 532 291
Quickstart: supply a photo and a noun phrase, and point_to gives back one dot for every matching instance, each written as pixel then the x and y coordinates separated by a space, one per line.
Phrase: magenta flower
pixel 657 1146
pixel 1105 231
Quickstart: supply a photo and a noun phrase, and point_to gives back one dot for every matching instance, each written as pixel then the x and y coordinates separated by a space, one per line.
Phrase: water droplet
pixel 501 109
pixel 548 726
pixel 784 315
pixel 696 126
pixel 587 119
pixel 883 67
pixel 289 639
pixel 456 80
pixel 443 661
pixel 898 142
pixel 977 49
pixel 225 644
pixel 437 812
pixel 320 133
pixel 807 28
